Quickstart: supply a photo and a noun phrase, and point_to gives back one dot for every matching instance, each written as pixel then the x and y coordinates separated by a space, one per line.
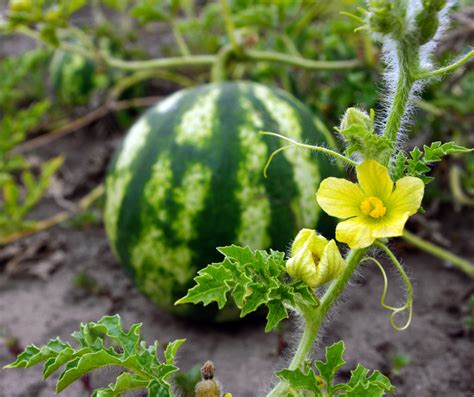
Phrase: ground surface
pixel 38 301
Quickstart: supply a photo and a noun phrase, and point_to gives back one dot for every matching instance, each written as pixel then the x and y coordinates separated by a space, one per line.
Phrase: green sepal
pixel 253 278
pixel 357 129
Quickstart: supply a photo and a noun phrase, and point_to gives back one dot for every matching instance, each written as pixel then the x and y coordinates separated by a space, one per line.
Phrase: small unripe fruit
pixel 208 386
pixel 356 116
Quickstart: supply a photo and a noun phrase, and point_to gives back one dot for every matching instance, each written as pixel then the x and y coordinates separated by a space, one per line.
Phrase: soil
pixel 39 300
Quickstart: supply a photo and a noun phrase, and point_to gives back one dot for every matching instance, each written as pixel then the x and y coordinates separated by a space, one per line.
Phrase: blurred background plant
pixel 92 68
pixel 23 109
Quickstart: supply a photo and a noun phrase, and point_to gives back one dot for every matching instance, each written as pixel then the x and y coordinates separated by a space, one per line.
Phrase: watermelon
pixel 72 77
pixel 188 178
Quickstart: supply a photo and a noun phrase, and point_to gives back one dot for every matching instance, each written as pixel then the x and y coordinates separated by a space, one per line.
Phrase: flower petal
pixel 355 232
pixel 407 195
pixel 374 179
pixel 331 265
pixel 314 242
pixel 302 267
pixel 391 225
pixel 339 197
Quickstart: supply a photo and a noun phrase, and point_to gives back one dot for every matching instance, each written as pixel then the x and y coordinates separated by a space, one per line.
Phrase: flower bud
pixel 435 5
pixel 208 386
pixel 314 259
pixel 386 17
pixel 356 116
pixel 427 23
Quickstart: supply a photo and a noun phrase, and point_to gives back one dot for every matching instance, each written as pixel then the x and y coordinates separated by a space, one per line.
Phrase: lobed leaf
pixel 361 384
pixel 300 380
pixel 253 278
pixel 106 343
pixel 418 162
pixel 211 286
pixel 334 361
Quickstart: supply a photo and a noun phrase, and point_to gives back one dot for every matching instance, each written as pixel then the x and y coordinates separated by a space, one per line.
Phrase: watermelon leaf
pixel 102 344
pixel 253 278
pixel 418 162
pixel 211 286
pixel 334 361
pixel 319 377
pixel 297 379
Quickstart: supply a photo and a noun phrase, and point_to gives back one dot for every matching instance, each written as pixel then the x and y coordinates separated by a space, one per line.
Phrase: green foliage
pixel 399 361
pixel 14 128
pixel 47 16
pixel 84 281
pixel 18 84
pixel 418 162
pixel 254 278
pixel 21 186
pixel 85 219
pixel 186 381
pixel 149 11
pixel 101 344
pixel 16 205
pixel 320 380
pixel 387 17
pixel 20 196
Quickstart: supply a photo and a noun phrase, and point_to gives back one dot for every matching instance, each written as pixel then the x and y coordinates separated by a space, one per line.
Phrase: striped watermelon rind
pixel 188 178
pixel 72 77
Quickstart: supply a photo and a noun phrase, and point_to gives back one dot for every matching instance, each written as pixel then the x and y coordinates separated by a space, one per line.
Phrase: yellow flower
pixel 373 207
pixel 314 259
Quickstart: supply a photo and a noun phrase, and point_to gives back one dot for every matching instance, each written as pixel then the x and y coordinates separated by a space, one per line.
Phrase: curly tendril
pixel 314 148
pixel 409 302
pixel 274 153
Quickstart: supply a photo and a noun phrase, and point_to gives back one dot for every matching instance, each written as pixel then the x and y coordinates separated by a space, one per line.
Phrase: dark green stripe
pixel 327 167
pixel 217 225
pixel 134 207
pixel 279 184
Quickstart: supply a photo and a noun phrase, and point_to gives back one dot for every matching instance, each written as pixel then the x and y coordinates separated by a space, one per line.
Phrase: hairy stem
pixel 439 252
pixel 408 64
pixel 313 318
